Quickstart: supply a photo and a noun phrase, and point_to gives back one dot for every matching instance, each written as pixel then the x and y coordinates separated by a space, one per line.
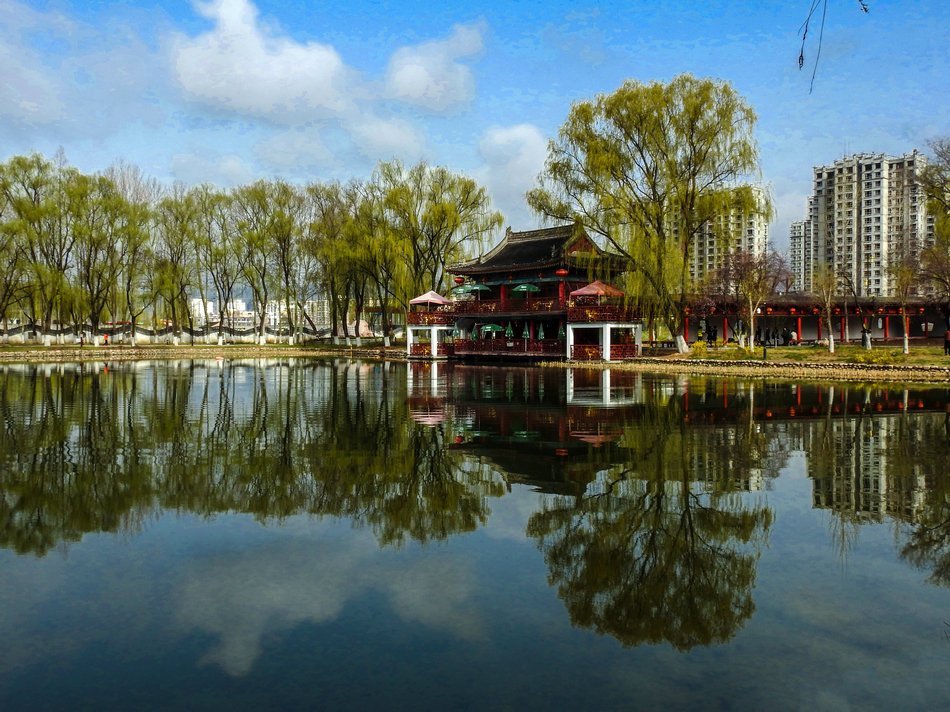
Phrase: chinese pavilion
pixel 538 294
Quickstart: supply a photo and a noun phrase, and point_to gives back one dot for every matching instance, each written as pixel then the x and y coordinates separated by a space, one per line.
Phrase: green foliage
pixel 880 357
pixel 645 168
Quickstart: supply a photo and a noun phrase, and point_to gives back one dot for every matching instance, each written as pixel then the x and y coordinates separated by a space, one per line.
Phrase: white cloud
pixel 514 156
pixel 430 76
pixel 242 67
pixel 295 148
pixel 210 167
pixel 387 138
pixel 243 598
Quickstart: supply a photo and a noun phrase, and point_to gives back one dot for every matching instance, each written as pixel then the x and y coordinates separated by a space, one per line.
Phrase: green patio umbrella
pixel 509 332
pixel 490 329
pixel 524 331
pixel 560 331
pixel 525 289
pixel 541 332
pixel 478 287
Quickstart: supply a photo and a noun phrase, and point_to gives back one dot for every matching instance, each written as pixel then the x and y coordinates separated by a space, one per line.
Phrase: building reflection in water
pixel 652 515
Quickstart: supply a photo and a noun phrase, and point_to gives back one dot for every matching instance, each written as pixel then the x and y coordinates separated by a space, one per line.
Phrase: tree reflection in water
pixel 96 449
pixel 660 548
pixel 651 526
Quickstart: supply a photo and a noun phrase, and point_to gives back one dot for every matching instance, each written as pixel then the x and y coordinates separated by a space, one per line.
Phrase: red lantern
pixel 920 311
pixel 561 272
pixel 459 280
pixel 793 310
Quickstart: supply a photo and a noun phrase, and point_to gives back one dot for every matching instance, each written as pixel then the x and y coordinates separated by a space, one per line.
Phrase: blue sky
pixel 228 91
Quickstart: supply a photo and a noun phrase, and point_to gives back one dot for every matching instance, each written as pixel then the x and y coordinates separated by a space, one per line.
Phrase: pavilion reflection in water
pixel 867 455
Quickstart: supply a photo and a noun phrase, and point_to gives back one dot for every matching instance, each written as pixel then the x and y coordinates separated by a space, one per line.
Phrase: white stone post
pixel 570 342
pixel 605 338
pixel 434 341
pixel 408 341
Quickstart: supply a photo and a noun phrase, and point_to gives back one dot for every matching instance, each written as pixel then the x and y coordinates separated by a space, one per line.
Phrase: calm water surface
pixel 269 534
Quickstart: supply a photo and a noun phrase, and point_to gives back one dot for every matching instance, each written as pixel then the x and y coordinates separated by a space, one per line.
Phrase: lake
pixel 300 534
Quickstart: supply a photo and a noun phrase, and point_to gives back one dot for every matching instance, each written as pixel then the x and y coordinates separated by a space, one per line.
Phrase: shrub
pixel 698 349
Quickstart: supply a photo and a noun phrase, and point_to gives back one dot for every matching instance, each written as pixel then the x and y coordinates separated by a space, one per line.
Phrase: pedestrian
pixel 82 340
pixel 105 339
pixel 794 337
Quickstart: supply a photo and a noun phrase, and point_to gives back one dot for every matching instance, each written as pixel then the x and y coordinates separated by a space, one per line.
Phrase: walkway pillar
pixel 799 328
pixel 842 328
pixel 409 341
pixel 434 341
pixel 605 339
pixel 570 341
pixel 725 329
pixel 887 321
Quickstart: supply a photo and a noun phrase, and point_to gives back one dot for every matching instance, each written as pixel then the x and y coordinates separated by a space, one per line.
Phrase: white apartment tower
pixel 733 232
pixel 801 252
pixel 865 211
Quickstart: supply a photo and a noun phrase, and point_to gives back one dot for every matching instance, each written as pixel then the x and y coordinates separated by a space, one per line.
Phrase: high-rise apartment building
pixel 866 211
pixel 801 253
pixel 732 232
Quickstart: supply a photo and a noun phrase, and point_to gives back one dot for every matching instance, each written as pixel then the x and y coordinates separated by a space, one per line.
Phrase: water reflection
pixel 654 508
pixel 104 448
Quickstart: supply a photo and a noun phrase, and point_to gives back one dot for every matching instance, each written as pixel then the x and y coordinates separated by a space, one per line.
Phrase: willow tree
pixel 645 168
pixel 935 258
pixel 442 216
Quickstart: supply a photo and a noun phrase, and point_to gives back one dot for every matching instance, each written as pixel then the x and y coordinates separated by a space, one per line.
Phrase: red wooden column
pixel 560 292
pixel 799 328
pixel 842 328
pixel 503 294
pixel 725 329
pixel 887 321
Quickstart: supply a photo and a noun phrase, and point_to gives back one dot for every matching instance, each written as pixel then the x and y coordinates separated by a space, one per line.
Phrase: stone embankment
pixel 786 370
pixel 149 353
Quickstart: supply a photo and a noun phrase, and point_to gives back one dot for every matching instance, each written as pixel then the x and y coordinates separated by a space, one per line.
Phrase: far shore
pixel 817 367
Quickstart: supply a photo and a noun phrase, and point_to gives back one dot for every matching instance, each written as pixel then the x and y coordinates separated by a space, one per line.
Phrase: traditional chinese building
pixel 539 294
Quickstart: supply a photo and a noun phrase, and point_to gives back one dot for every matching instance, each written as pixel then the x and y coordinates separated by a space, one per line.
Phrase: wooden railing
pixel 511 305
pixel 586 352
pixel 514 347
pixel 622 351
pixel 601 312
pixel 443 317
pixel 424 349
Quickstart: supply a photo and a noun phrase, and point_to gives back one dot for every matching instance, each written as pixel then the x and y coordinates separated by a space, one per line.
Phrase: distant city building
pixel 732 232
pixel 865 212
pixel 202 312
pixel 801 253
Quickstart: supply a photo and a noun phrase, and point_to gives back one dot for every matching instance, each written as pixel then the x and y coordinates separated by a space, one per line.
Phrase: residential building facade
pixel 735 231
pixel 866 211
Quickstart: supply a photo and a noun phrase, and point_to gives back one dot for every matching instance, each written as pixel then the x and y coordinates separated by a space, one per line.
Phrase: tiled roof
pixel 519 250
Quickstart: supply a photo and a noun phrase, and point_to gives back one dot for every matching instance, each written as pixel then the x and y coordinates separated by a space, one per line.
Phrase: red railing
pixel 514 347
pixel 443 317
pixel 585 352
pixel 601 312
pixel 622 351
pixel 424 348
pixel 511 305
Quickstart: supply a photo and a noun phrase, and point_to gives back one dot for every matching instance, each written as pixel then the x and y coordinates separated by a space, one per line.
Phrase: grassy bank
pixel 925 364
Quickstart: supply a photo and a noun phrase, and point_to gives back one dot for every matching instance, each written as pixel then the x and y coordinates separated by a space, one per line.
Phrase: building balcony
pixel 615 313
pixel 444 316
pixel 510 347
pixel 514 305
pixel 423 349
